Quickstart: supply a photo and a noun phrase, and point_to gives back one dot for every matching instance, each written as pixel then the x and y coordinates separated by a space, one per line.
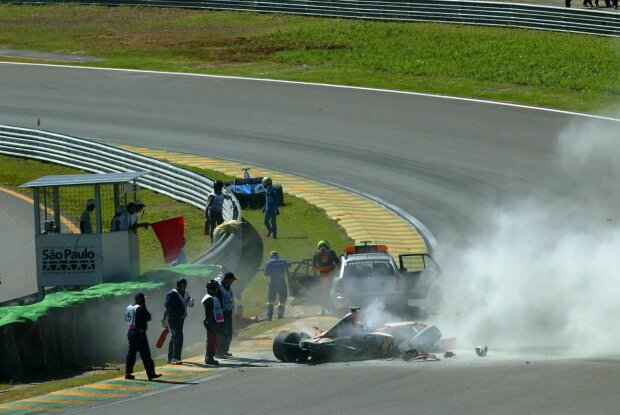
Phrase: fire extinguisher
pixel 162 338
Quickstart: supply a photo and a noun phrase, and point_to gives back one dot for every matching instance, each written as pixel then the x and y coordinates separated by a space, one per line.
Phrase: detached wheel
pixel 426 338
pixel 286 346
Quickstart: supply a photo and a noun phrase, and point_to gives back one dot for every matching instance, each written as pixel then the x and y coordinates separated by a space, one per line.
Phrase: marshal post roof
pixel 85 179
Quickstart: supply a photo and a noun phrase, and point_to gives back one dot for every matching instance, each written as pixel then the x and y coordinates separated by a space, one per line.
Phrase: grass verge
pixel 301 226
pixel 560 70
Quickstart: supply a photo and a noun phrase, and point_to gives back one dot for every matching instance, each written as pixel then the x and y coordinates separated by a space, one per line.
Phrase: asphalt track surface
pixel 450 163
pixel 17 268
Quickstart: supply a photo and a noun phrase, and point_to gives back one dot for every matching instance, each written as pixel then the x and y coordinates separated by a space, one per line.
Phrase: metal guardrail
pixel 586 21
pixel 181 184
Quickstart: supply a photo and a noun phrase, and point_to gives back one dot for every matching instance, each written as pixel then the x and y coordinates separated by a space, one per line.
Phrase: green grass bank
pixel 301 224
pixel 559 70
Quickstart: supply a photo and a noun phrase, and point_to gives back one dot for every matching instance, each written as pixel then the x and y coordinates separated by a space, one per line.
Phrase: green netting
pixel 191 270
pixel 22 314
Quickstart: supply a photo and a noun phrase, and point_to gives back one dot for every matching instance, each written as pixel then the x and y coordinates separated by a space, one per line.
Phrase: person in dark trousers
pixel 325 261
pixel 214 317
pixel 86 224
pixel 137 317
pixel 175 312
pixel 213 211
pixel 272 203
pixel 277 269
pixel 225 333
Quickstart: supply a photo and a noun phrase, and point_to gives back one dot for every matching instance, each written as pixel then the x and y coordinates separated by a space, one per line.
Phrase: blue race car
pixel 250 191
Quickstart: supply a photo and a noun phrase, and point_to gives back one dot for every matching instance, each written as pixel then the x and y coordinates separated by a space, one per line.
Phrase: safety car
pixel 368 273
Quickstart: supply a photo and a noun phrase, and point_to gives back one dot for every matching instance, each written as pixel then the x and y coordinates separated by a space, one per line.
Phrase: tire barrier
pixel 440 11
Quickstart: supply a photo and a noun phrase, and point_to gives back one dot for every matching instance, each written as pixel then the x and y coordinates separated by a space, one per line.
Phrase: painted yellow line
pixel 47 399
pixel 180 369
pixel 17 195
pixel 31 408
pixel 73 392
pixel 113 387
pixel 361 218
pixel 65 221
pixel 166 373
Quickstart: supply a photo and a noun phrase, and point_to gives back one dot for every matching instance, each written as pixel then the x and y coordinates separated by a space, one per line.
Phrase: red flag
pixel 170 233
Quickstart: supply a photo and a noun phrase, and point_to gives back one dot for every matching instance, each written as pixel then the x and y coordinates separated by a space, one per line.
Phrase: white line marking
pixel 360 88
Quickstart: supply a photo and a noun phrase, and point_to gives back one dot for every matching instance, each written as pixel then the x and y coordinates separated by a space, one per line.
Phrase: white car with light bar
pixel 368 273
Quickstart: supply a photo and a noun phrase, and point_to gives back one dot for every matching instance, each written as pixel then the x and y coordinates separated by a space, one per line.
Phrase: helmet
pixel 212 287
pixel 181 281
pixel 266 181
pixel 323 243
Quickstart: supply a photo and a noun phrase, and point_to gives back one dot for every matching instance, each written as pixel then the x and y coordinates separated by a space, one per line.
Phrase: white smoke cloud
pixel 548 275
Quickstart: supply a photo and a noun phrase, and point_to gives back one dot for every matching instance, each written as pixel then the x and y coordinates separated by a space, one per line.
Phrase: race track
pixel 452 164
pixel 17 268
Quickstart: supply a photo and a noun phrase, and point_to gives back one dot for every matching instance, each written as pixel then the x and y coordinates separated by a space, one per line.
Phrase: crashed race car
pixel 348 340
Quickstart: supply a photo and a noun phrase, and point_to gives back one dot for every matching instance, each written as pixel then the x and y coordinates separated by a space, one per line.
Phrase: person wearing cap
pixel 86 224
pixel 225 330
pixel 324 262
pixel 137 317
pixel 175 313
pixel 277 269
pixel 122 218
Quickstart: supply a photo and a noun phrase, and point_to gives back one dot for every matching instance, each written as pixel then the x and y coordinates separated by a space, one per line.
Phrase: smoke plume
pixel 548 274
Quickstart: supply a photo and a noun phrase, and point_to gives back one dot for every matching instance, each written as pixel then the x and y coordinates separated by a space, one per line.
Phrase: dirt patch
pixel 33 54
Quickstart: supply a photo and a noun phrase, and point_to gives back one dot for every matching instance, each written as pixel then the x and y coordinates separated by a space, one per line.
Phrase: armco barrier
pixel 587 21
pixel 181 184
pixel 87 333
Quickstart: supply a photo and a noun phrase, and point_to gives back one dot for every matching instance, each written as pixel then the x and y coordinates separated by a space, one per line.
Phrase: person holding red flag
pixel 175 313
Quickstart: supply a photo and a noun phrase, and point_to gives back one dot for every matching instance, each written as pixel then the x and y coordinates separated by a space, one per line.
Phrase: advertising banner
pixel 69 259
